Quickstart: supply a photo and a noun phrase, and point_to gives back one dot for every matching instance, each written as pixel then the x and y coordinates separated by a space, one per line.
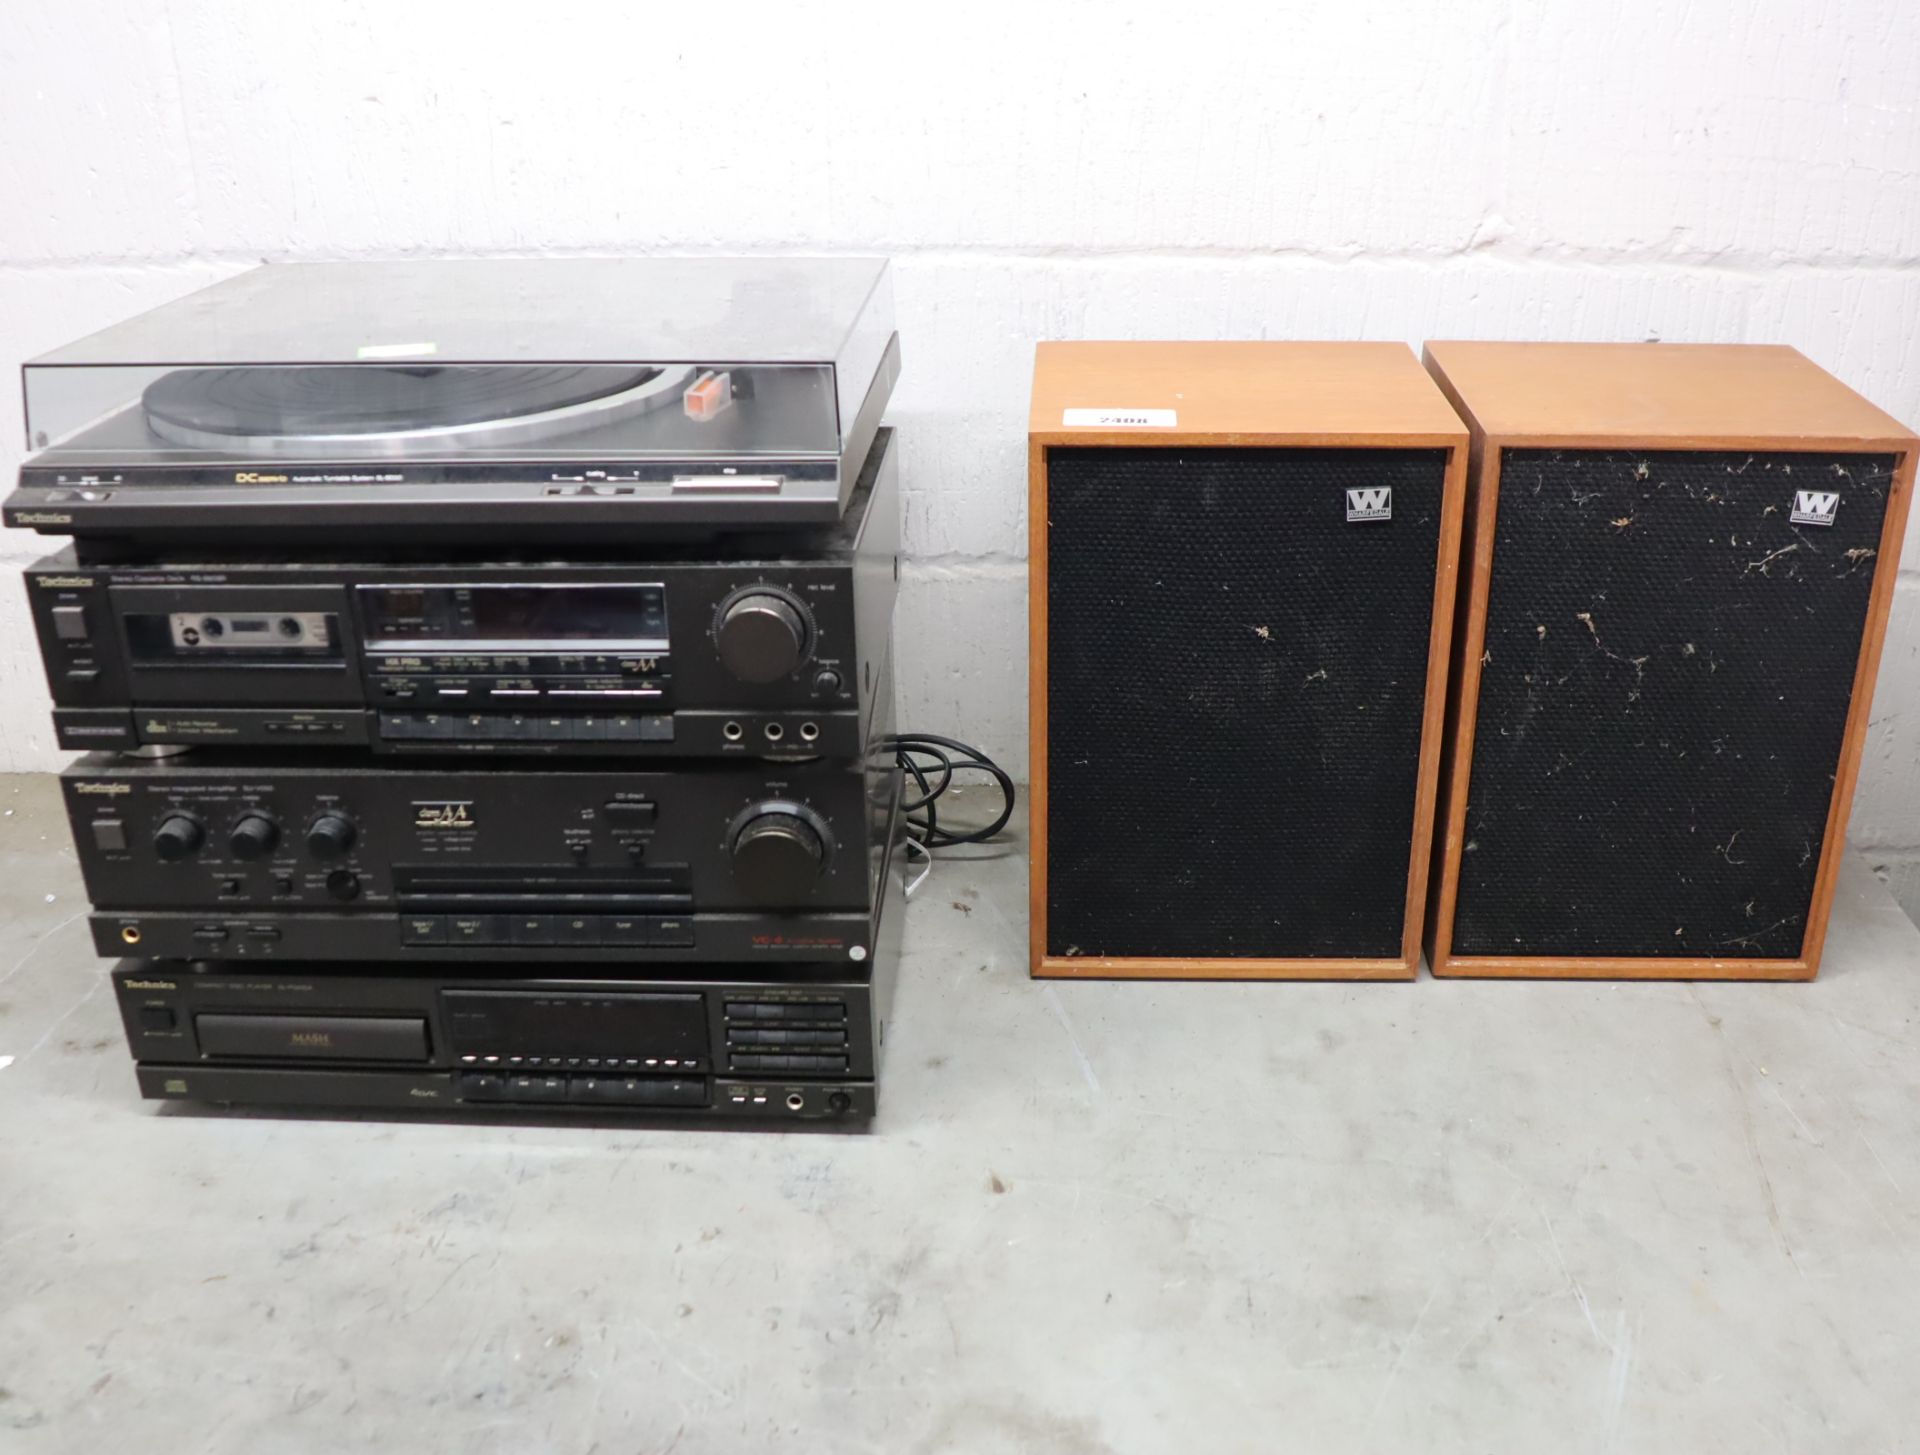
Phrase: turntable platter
pixel 299 409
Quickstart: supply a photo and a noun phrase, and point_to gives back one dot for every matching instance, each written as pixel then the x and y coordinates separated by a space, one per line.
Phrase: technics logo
pixel 1815 507
pixel 109 790
pixel 443 815
pixel 1370 504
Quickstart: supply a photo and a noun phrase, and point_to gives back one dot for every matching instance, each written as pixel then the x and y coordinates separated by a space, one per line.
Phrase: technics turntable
pixel 600 401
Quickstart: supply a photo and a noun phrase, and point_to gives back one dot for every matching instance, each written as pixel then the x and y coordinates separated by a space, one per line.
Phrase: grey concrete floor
pixel 1091 1217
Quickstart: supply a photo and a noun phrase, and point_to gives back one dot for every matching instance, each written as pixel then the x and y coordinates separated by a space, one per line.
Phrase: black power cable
pixel 931 761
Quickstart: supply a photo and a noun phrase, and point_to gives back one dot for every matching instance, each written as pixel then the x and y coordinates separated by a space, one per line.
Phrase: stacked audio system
pixel 484 674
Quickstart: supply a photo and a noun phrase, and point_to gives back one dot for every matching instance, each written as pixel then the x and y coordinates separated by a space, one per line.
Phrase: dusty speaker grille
pixel 1236 678
pixel 1668 667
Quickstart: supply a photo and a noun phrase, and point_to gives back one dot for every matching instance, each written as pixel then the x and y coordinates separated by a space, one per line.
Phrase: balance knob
pixel 254 837
pixel 777 857
pixel 330 836
pixel 178 837
pixel 762 636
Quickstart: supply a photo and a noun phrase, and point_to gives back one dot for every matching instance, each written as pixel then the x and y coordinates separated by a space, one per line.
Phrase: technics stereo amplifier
pixel 771 651
pixel 596 402
pixel 1243 564
pixel 517 1037
pixel 230 857
pixel 1680 563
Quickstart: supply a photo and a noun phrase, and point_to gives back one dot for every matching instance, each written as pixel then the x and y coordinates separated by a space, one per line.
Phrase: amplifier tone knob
pixel 254 837
pixel 762 635
pixel 178 837
pixel 777 857
pixel 330 836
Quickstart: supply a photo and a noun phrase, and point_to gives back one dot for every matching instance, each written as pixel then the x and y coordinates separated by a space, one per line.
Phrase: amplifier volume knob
pixel 330 836
pixel 178 837
pixel 777 857
pixel 254 837
pixel 762 635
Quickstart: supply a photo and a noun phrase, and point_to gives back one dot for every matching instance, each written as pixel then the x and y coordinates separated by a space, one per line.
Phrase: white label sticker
pixel 1375 503
pixel 1814 507
pixel 396 351
pixel 1120 418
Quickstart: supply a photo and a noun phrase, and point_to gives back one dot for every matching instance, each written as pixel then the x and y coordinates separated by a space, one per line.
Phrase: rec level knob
pixel 762 635
pixel 253 837
pixel 330 836
pixel 178 837
pixel 777 857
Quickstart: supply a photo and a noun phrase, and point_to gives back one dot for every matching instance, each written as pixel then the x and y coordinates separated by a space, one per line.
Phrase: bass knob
pixel 762 635
pixel 179 836
pixel 778 855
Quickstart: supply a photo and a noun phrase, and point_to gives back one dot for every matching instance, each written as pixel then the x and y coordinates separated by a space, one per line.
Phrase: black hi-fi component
pixel 802 1047
pixel 769 649
pixel 232 857
pixel 737 1041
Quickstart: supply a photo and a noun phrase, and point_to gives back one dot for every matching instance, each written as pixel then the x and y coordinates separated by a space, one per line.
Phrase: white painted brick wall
pixel 1372 169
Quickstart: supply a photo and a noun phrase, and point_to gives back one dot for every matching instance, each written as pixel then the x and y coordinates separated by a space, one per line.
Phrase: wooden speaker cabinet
pixel 1679 563
pixel 1242 577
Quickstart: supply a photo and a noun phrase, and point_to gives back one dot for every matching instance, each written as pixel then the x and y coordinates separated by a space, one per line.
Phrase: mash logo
pixel 317 1040
pixel 443 814
pixel 1375 504
pixel 1815 507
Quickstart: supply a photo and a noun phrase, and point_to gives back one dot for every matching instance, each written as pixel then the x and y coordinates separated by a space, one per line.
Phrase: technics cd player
pixel 599 402
pixel 226 856
pixel 770 651
pixel 516 1037
pixel 309 1036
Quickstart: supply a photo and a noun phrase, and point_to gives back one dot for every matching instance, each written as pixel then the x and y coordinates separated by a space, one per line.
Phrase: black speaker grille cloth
pixel 1668 665
pixel 1236 675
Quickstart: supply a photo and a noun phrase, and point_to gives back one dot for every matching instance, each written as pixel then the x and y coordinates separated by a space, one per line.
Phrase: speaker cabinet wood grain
pixel 1679 564
pixel 1242 576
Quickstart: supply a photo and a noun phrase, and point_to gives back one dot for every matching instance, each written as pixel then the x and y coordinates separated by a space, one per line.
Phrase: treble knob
pixel 179 836
pixel 762 635
pixel 253 837
pixel 777 856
